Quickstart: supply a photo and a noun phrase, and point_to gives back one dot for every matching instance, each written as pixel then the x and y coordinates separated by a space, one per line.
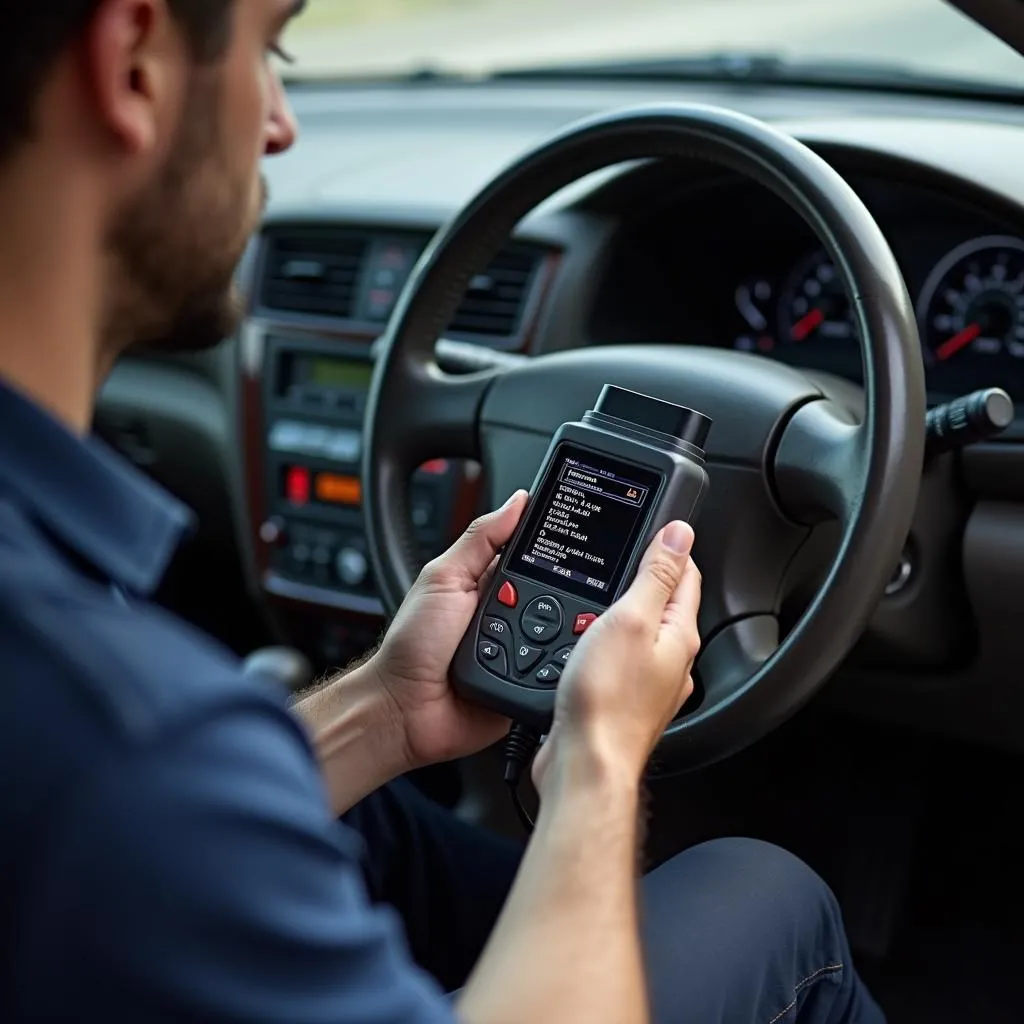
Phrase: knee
pixel 774 886
pixel 755 926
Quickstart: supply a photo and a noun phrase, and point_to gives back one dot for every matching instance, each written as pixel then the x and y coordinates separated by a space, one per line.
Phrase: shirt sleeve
pixel 206 880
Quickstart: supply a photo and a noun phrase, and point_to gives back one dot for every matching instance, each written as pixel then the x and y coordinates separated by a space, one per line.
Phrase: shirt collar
pixel 87 496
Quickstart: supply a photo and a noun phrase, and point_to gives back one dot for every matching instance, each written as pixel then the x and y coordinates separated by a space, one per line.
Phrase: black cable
pixel 524 815
pixel 520 746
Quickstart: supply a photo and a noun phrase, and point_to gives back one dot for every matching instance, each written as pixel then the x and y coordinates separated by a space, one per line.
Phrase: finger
pixel 660 572
pixel 472 554
pixel 679 634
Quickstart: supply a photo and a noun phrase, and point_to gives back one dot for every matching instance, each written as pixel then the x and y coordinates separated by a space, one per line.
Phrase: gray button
pixel 344 446
pixel 351 566
pixel 549 674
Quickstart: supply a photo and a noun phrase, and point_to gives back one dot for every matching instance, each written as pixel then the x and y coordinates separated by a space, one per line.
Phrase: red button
pixel 582 623
pixel 298 485
pixel 507 595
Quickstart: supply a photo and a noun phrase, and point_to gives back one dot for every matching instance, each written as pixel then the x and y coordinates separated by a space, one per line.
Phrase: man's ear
pixel 135 65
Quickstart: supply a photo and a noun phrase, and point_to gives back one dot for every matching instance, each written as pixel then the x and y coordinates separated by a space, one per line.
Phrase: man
pixel 171 845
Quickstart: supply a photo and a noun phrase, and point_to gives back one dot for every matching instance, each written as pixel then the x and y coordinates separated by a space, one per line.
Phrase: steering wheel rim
pixel 818 461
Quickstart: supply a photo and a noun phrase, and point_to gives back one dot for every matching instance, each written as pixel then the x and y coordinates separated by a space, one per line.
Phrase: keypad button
pixel 496 629
pixel 507 594
pixel 549 674
pixel 527 656
pixel 562 657
pixel 583 622
pixel 546 609
pixel 539 631
pixel 542 620
pixel 493 655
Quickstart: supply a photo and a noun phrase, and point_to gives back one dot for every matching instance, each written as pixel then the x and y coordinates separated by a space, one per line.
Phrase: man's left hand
pixel 413 661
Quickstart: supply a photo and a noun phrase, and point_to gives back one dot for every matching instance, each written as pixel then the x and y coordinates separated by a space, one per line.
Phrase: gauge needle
pixel 960 340
pixel 811 322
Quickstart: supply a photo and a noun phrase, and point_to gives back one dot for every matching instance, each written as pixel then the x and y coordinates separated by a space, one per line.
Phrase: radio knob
pixel 272 532
pixel 351 566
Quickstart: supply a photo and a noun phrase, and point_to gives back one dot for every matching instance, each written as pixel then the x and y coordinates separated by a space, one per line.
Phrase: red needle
pixel 811 322
pixel 951 346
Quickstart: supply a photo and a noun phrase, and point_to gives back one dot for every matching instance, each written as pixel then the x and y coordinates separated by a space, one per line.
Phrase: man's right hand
pixel 630 674
pixel 567 944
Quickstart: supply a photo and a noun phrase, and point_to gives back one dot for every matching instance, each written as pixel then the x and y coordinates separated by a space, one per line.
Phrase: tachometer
pixel 973 303
pixel 814 306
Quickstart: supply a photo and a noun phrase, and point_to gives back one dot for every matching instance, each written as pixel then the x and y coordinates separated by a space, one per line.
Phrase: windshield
pixel 342 38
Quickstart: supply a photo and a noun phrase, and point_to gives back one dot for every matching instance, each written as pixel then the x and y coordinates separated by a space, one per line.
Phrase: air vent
pixel 314 272
pixel 496 299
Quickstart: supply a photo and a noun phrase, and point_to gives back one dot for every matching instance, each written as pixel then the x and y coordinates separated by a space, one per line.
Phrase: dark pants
pixel 735 931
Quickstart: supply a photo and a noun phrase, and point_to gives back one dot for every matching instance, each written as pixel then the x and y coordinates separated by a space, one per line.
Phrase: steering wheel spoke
pixel 821 463
pixel 433 413
pixel 736 653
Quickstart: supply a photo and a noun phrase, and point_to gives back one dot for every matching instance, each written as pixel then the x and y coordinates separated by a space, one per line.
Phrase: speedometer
pixel 814 306
pixel 971 311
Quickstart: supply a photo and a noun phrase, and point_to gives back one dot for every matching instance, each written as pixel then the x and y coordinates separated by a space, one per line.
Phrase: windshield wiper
pixel 767 69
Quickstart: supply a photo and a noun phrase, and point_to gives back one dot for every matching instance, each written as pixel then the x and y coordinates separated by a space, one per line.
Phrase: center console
pixel 321 295
pixel 311 541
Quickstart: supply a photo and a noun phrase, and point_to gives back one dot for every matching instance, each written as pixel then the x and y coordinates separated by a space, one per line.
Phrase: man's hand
pixel 630 673
pixel 568 936
pixel 413 661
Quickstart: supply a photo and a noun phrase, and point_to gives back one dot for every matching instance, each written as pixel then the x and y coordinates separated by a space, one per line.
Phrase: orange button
pixel 583 623
pixel 507 595
pixel 338 490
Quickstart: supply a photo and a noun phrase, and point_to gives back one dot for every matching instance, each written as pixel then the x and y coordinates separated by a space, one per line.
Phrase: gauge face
pixel 813 306
pixel 754 304
pixel 972 306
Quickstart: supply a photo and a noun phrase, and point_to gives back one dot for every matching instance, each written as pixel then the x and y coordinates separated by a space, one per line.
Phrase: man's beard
pixel 176 246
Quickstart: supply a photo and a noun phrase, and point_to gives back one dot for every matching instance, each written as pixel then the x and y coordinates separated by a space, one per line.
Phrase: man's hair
pixel 37 31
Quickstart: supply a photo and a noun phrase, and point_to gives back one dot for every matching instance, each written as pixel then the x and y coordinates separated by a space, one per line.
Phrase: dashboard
pixel 726 264
pixel 263 437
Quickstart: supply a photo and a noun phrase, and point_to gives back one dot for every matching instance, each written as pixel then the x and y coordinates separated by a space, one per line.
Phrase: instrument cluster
pixel 730 265
pixel 970 313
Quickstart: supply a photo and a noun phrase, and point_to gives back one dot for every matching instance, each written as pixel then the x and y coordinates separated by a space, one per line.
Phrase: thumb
pixel 472 554
pixel 661 571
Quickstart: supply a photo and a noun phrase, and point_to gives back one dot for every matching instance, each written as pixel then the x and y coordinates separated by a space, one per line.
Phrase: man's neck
pixel 56 378
pixel 50 299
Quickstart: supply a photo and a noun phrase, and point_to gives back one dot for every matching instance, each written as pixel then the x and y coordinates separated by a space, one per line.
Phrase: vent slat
pixel 314 272
pixel 496 299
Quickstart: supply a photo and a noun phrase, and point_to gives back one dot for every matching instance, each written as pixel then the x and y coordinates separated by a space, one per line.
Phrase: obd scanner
pixel 607 485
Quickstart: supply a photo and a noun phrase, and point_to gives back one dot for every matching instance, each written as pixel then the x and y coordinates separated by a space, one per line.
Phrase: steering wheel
pixel 786 453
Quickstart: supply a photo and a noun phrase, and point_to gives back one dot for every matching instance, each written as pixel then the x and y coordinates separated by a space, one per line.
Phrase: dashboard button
pixel 351 567
pixel 422 512
pixel 272 532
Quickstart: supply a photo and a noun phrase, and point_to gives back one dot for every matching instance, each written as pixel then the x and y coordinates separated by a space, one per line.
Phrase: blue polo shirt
pixel 168 852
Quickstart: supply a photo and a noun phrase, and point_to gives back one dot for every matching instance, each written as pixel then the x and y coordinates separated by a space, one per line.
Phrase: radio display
pixel 336 373
pixel 588 515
